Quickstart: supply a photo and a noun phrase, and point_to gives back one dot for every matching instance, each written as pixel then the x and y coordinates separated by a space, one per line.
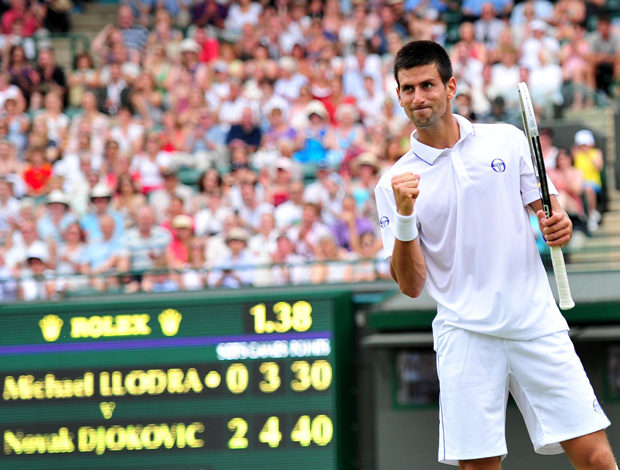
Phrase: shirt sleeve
pixel 529 183
pixel 387 211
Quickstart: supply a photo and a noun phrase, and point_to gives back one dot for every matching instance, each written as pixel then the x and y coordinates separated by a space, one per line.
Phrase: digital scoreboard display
pixel 221 381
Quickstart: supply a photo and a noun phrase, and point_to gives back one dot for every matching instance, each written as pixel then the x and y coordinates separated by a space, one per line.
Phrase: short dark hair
pixel 418 53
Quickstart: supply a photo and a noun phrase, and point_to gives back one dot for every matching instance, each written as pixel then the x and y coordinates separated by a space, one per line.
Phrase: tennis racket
pixel 531 131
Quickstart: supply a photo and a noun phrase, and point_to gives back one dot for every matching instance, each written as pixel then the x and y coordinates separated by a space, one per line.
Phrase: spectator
pixel 89 121
pixel 208 183
pixel 236 269
pixel 20 11
pixel 549 150
pixel 350 225
pixel 365 172
pixel 37 173
pixel 18 124
pixel 57 122
pixel 68 257
pixel 546 85
pixel 128 134
pixel 21 71
pixel 504 79
pixel 289 213
pixel 348 138
pixel 568 181
pixel 291 80
pixel 112 92
pixel 604 54
pixel 313 147
pixel 209 12
pixel 540 39
pixel 22 240
pixel 206 141
pixel 371 265
pixel 127 199
pixel 242 12
pixel 371 105
pixel 189 64
pixel 253 206
pixel 36 279
pixel 56 218
pixel 51 77
pixel 333 263
pixel 8 283
pixel 542 9
pixel 160 199
pixel 163 30
pixel 101 256
pixel 488 28
pixel 143 248
pixel 150 163
pixel 589 159
pixel 81 78
pixel 307 234
pixel 9 211
pixel 288 268
pixel 263 242
pixel 146 100
pixel 246 131
pixel 576 70
pixel 279 128
pixel 473 8
pixel 231 109
pixel 134 36
pixel 100 198
pixel 174 208
pixel 185 255
pixel 10 91
pixel 467 41
pixel 70 166
pixel 277 187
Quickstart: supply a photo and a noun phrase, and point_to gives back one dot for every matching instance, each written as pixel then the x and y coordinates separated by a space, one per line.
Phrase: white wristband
pixel 406 228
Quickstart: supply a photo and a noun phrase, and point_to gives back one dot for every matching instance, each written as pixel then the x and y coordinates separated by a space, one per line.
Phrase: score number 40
pixel 319 430
pixel 296 317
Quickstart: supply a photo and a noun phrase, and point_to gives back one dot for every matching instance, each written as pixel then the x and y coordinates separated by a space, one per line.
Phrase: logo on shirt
pixel 384 222
pixel 597 406
pixel 498 165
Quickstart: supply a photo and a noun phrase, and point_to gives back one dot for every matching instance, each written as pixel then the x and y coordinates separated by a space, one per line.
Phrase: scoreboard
pixel 218 381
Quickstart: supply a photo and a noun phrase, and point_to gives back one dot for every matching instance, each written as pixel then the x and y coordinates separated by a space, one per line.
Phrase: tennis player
pixel 453 216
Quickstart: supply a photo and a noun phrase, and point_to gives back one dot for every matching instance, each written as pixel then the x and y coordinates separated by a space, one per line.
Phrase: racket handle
pixel 561 278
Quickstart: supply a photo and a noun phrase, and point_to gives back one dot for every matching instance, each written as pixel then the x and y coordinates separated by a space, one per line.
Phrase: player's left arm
pixel 558 229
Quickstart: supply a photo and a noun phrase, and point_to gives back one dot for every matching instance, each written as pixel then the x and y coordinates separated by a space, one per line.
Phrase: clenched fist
pixel 406 191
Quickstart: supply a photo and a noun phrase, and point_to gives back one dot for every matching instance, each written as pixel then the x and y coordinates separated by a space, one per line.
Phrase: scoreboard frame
pixel 93 382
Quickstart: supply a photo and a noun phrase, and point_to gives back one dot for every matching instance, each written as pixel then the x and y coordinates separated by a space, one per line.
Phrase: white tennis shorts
pixel 545 377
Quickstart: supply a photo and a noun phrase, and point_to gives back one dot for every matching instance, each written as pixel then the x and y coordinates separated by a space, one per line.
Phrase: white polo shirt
pixel 483 267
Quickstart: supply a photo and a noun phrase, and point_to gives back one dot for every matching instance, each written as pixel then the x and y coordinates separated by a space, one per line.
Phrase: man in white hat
pixel 100 197
pixel 236 269
pixel 56 218
pixel 36 279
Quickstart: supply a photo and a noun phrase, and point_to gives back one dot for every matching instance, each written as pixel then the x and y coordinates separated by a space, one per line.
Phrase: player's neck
pixel 445 134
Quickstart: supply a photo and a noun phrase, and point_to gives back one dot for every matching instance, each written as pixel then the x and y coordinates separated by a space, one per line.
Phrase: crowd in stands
pixel 221 144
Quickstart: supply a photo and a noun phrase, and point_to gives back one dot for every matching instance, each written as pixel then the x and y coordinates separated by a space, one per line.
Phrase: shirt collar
pixel 430 154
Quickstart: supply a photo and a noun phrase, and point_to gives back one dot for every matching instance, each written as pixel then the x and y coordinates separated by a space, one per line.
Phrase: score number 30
pixel 296 317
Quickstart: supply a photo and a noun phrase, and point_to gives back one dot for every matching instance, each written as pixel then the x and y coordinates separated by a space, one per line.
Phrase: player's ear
pixel 451 87
pixel 398 94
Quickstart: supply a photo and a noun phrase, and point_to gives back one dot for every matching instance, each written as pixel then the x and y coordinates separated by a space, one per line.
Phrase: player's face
pixel 423 96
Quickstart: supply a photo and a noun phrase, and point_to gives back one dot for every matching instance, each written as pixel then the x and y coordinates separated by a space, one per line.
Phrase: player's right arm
pixel 407 266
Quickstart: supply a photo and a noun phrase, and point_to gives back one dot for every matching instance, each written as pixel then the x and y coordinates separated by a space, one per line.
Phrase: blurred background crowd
pixel 215 143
